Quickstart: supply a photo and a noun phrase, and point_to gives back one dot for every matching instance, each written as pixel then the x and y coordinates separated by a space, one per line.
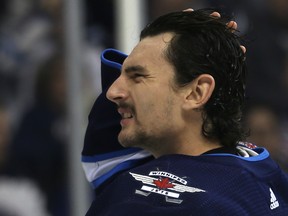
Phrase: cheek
pixel 149 111
pixel 160 111
pixel 155 104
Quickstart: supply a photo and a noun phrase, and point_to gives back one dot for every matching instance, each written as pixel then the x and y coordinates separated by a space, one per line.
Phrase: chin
pixel 126 144
pixel 131 139
pixel 127 141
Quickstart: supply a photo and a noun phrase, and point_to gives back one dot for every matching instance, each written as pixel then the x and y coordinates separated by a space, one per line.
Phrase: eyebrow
pixel 135 68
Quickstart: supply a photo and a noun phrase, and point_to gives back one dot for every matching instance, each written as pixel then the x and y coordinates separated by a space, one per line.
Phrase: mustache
pixel 125 105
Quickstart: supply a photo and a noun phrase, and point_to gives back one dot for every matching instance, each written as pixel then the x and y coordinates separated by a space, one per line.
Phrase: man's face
pixel 149 106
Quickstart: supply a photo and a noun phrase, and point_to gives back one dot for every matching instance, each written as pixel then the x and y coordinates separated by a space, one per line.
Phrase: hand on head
pixel 231 24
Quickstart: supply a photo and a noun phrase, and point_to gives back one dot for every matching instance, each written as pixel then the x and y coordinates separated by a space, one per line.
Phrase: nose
pixel 116 91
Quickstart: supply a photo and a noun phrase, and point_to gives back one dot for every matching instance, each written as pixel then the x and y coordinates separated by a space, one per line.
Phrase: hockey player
pixel 179 98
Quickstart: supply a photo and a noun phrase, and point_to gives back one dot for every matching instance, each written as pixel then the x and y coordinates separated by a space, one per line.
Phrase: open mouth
pixel 126 115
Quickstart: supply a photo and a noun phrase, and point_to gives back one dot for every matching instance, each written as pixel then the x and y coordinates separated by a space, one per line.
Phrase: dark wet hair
pixel 205 45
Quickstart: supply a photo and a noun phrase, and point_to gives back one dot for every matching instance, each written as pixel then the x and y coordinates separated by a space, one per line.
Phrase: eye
pixel 137 77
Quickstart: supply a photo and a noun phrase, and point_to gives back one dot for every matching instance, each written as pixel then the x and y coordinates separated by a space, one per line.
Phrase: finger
pixel 188 10
pixel 232 25
pixel 243 48
pixel 215 14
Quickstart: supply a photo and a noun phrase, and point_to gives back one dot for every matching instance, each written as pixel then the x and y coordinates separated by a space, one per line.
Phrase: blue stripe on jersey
pixel 111 63
pixel 263 154
pixel 120 167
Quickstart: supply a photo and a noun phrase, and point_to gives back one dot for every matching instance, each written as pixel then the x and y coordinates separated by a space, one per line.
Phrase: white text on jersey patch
pixel 164 183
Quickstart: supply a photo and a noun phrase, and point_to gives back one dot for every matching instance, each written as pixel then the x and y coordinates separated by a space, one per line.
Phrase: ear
pixel 199 91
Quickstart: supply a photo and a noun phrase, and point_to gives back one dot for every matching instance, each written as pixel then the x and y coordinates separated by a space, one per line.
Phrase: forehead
pixel 149 51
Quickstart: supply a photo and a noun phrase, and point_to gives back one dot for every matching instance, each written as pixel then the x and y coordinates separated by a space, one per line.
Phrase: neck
pixel 192 148
pixel 188 140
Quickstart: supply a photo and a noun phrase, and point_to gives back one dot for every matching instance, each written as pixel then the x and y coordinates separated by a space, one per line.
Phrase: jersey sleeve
pixel 102 155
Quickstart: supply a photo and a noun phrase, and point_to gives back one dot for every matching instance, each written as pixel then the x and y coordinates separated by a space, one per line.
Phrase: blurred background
pixel 50 77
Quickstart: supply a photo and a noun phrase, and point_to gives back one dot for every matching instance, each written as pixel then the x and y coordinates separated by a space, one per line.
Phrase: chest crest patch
pixel 165 184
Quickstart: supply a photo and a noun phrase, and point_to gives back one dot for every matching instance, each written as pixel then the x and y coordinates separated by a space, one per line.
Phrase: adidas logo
pixel 274 203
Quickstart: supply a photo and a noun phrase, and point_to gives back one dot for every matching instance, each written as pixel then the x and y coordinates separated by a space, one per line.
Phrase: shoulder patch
pixel 165 184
